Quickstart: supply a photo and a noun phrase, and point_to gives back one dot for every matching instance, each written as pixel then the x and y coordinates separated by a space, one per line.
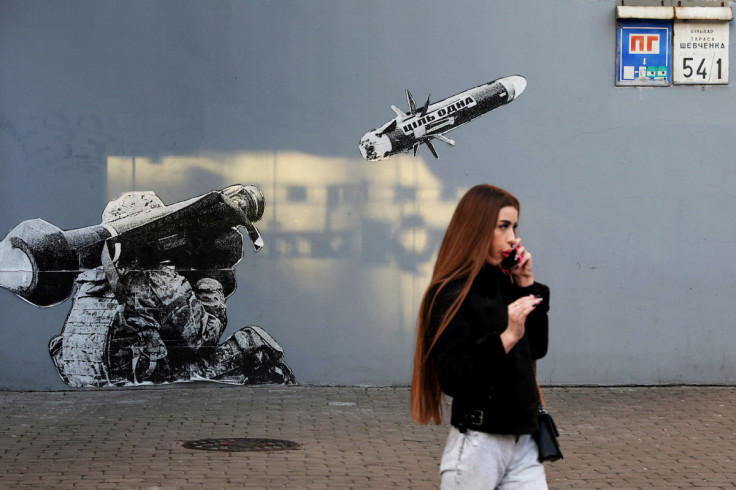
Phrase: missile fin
pixel 426 106
pixel 445 139
pixel 398 111
pixel 388 128
pixel 431 147
pixel 412 104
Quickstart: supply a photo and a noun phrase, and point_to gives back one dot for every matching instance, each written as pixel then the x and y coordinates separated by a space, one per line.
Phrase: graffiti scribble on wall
pixel 151 283
pixel 421 125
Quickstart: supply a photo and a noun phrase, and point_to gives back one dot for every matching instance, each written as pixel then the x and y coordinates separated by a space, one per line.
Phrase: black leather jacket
pixel 492 391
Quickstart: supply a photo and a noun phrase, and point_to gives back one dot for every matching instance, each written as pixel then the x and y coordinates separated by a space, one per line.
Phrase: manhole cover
pixel 241 444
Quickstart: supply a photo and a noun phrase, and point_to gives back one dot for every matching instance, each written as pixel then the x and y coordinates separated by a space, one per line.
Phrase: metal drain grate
pixel 241 444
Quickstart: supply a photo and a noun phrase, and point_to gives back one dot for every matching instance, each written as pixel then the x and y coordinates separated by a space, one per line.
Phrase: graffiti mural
pixel 149 286
pixel 432 121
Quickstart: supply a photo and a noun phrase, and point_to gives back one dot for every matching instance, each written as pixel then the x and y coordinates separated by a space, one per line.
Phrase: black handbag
pixel 546 437
pixel 547 433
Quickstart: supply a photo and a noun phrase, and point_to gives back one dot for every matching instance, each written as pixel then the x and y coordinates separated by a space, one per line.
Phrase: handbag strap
pixel 539 388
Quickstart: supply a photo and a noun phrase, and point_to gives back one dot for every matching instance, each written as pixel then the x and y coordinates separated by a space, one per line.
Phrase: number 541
pixel 688 71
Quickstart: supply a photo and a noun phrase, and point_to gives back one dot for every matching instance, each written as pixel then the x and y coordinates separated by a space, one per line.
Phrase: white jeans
pixel 476 460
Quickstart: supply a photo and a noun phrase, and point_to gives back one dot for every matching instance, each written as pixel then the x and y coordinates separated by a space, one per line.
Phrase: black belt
pixel 485 418
pixel 474 419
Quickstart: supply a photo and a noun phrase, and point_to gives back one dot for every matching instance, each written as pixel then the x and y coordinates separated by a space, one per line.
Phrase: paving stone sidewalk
pixel 350 438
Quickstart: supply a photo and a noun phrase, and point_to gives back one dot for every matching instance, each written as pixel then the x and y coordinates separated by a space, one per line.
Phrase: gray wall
pixel 628 198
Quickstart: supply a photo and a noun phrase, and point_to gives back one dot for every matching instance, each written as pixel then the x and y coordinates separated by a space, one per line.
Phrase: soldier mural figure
pixel 151 283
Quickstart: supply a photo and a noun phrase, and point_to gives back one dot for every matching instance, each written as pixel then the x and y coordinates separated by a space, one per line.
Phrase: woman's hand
pixel 522 272
pixel 517 313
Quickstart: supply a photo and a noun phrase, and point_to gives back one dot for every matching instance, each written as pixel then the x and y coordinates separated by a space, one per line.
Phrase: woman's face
pixel 504 235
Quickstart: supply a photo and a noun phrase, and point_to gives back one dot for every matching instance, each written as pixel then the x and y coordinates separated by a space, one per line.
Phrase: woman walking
pixel 482 323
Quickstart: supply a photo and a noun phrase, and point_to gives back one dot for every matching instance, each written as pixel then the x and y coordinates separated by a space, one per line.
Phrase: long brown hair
pixel 463 253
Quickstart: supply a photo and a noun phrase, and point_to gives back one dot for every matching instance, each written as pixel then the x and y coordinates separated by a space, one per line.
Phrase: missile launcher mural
pixel 150 284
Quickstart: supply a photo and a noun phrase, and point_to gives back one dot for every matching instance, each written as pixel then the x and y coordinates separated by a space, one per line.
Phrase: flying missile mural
pixel 420 125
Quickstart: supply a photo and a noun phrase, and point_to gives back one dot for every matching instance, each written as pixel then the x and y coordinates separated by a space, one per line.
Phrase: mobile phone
pixel 510 260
